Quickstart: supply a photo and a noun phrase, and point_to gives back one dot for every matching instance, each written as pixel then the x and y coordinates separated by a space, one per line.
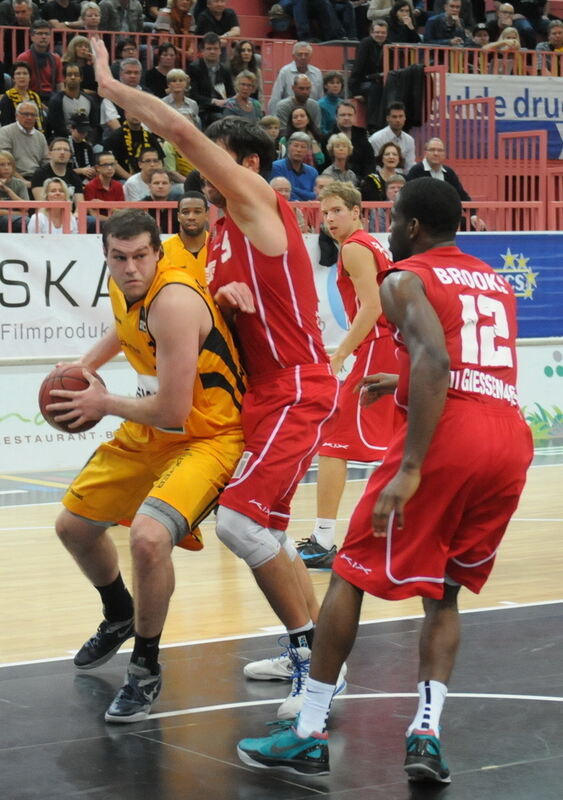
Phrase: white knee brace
pixel 245 538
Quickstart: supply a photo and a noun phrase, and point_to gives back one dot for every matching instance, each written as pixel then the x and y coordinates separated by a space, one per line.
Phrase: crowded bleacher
pixel 366 92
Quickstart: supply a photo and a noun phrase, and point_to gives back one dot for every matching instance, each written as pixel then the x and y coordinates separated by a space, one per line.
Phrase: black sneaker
pixel 424 761
pixel 315 555
pixel 133 701
pixel 104 643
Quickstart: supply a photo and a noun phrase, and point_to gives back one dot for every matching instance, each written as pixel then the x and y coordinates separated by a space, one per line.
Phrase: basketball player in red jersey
pixel 259 270
pixel 433 515
pixel 355 433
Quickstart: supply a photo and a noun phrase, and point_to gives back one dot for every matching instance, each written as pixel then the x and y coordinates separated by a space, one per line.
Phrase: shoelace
pixel 300 670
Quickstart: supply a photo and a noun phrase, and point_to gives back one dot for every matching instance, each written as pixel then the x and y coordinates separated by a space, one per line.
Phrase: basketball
pixel 70 377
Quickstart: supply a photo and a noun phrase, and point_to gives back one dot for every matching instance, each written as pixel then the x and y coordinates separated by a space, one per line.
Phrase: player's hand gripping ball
pixel 70 377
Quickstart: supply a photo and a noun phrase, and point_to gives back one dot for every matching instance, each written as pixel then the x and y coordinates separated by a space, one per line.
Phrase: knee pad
pixel 285 542
pixel 245 538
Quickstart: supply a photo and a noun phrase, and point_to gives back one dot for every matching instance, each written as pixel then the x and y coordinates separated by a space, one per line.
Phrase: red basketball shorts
pixel 362 434
pixel 472 479
pixel 283 420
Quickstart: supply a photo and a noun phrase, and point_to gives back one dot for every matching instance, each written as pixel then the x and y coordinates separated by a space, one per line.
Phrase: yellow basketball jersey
pixel 176 255
pixel 219 384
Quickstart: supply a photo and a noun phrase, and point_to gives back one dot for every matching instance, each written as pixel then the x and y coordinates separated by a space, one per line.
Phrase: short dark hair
pixel 39 24
pixel 434 203
pixel 54 141
pixel 162 48
pixel 146 150
pixel 99 156
pixel 19 65
pixel 128 223
pixel 68 64
pixel 128 41
pixel 210 38
pixel 330 76
pixel 193 195
pixel 396 105
pixel 345 103
pixel 243 138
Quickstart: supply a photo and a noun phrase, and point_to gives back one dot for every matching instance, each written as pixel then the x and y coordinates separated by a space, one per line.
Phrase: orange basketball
pixel 68 376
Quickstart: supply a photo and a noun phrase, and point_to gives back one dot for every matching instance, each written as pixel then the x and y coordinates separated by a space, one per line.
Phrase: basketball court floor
pixel 501 726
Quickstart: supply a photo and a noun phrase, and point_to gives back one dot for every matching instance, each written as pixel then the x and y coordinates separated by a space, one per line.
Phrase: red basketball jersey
pixel 346 287
pixel 477 309
pixel 284 331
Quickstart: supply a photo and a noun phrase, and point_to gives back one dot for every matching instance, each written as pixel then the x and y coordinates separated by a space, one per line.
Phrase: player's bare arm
pixel 405 305
pixel 250 200
pixel 360 266
pixel 177 348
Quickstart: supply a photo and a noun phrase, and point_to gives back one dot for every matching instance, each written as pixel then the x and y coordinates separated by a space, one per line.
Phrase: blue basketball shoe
pixel 424 761
pixel 284 749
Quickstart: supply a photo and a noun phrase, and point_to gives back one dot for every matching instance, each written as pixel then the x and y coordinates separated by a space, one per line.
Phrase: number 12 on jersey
pixel 479 336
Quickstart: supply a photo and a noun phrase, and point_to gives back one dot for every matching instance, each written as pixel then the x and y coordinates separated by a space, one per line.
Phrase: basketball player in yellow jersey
pixel 166 465
pixel 188 248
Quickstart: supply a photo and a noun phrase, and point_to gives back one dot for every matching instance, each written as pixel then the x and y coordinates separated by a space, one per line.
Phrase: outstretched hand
pixel 101 62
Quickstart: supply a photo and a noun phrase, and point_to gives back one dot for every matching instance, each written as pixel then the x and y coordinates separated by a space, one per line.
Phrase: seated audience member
pixel 508 43
pixel 480 35
pixel 103 186
pixel 128 142
pixel 22 139
pixel 447 28
pixel 177 166
pixel 125 48
pixel 111 117
pixel 466 12
pixel 433 166
pixel 362 159
pixel 302 122
pixel 18 14
pixel 71 100
pixel 177 17
pixel 299 98
pixel 19 91
pixel 393 186
pixel 79 52
pixel 333 85
pixel 283 86
pixel 216 18
pixel 507 18
pixel 212 83
pixel 366 78
pixel 82 158
pixel 283 186
pixel 178 95
pixel 554 44
pixel 90 16
pixel 45 66
pixel 156 79
pixel 242 104
pixel 340 148
pixel 393 132
pixel 244 57
pixel 272 126
pixel 11 188
pixel 50 220
pixel 402 26
pixel 58 166
pixel 388 161
pixel 293 167
pixel 121 15
pixel 531 20
pixel 160 187
pixel 137 186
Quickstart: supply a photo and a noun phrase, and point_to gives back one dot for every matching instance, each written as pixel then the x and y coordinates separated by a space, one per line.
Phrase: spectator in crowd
pixel 433 166
pixel 82 159
pixel 389 161
pixel 447 28
pixel 50 220
pixel 293 167
pixel 393 186
pixel 366 78
pixel 160 187
pixel 16 14
pixel 323 12
pixel 22 139
pixel 59 167
pixel 69 101
pixel 178 95
pixel 466 12
pixel 212 83
pixel 125 48
pixel 242 104
pixel 128 142
pixel 300 120
pixel 216 18
pixel 504 19
pixel 103 186
pixel 272 126
pixel 111 116
pixel 177 17
pixel 79 52
pixel 508 43
pixel 177 166
pixel 90 16
pixel 58 13
pixel 46 67
pixel 362 159
pixel 480 35
pixel 156 78
pixel 530 20
pixel 340 148
pixel 393 132
pixel 283 186
pixel 554 44
pixel 20 91
pixel 11 188
pixel 301 65
pixel 300 98
pixel 138 185
pixel 121 15
pixel 333 83
pixel 402 27
pixel 244 57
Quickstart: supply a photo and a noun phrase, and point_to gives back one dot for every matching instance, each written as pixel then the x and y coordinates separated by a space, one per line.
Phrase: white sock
pixel 432 696
pixel 324 532
pixel 316 705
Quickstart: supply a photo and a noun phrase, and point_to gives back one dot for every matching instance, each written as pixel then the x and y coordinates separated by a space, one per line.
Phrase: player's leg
pixel 307 588
pixel 318 550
